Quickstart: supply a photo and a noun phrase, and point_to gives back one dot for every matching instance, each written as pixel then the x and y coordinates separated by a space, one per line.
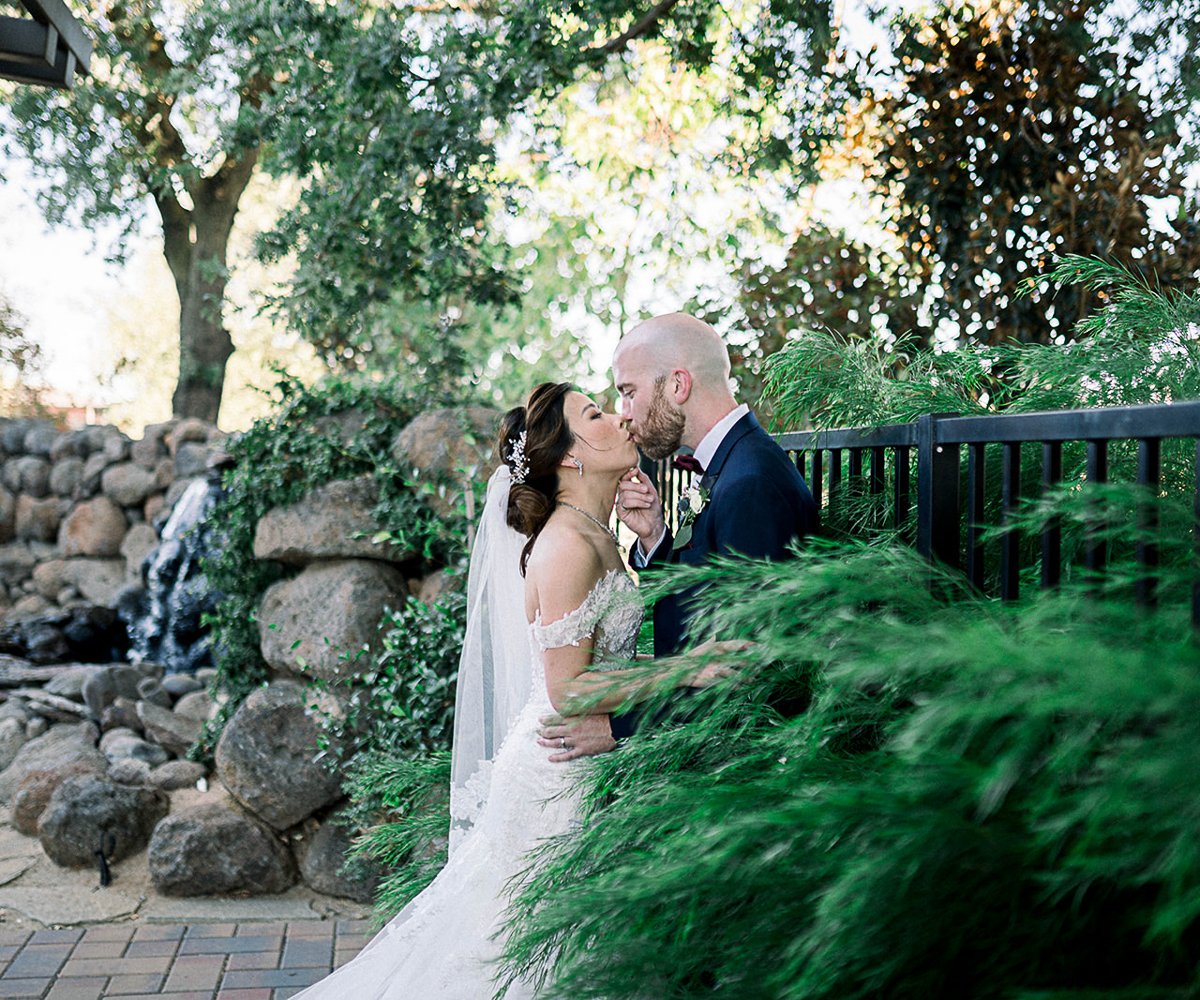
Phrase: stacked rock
pixel 91 754
pixel 81 509
pixel 88 757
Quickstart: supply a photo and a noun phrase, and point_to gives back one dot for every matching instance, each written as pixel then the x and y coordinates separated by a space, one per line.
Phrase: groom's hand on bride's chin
pixel 639 507
pixel 576 736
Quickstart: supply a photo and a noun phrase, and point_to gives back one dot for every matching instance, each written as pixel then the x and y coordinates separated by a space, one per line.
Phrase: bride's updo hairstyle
pixel 535 466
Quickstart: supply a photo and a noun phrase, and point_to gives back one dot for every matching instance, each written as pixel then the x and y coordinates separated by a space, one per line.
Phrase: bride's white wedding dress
pixel 442 945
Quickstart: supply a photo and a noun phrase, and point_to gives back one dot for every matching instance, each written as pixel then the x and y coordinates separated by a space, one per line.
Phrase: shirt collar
pixel 707 448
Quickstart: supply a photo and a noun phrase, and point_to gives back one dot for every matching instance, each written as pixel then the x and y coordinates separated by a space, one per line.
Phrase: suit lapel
pixel 746 425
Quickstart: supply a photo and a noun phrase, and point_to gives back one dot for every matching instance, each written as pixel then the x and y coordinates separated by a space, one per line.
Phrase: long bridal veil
pixel 494 675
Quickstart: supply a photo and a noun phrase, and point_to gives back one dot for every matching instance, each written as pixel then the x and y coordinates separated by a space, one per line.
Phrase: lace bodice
pixel 611 614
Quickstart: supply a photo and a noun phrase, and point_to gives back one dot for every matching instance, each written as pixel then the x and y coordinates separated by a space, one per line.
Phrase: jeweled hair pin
pixel 516 459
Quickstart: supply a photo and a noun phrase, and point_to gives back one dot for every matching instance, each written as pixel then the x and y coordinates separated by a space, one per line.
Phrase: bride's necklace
pixel 595 520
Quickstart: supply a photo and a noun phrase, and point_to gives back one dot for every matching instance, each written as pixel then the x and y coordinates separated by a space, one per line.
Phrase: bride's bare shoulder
pixel 561 550
pixel 563 568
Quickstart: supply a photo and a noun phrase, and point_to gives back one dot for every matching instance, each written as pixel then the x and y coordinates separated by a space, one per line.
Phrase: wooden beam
pixel 55 14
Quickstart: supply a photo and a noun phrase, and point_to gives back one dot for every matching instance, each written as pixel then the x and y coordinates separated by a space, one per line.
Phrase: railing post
pixel 937 493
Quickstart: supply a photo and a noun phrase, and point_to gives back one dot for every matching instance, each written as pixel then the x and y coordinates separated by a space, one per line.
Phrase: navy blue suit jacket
pixel 758 503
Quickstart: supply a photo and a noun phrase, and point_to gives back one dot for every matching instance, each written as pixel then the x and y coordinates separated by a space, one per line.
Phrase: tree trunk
pixel 196 242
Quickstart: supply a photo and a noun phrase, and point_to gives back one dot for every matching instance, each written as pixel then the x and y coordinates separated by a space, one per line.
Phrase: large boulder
pixel 66 475
pixel 321 850
pixel 128 483
pixel 94 528
pixel 198 705
pixel 62 746
pixel 129 745
pixel 176 774
pixel 138 543
pixel 449 447
pixel 87 813
pixel 38 520
pixel 99 580
pixel 28 475
pixel 16 562
pixel 213 849
pixel 331 611
pixel 12 738
pixel 40 438
pixel 266 757
pixel 323 525
pixel 33 793
pixel 173 732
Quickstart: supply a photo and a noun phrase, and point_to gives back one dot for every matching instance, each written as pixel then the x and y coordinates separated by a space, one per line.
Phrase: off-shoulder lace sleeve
pixel 575 626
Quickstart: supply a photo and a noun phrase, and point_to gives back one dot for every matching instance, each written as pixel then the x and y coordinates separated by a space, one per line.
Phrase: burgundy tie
pixel 687 463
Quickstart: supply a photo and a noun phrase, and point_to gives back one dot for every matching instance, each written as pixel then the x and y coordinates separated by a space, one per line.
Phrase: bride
pixel 531 649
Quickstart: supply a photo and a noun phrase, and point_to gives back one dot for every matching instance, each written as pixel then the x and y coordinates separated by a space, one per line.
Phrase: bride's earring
pixel 578 464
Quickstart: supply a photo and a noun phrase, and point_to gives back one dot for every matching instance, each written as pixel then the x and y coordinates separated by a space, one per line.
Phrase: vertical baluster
pixel 938 514
pixel 1149 462
pixel 902 486
pixel 976 481
pixel 855 474
pixel 1010 496
pixel 835 472
pixel 1097 472
pixel 877 472
pixel 814 483
pixel 875 484
pixel 1052 531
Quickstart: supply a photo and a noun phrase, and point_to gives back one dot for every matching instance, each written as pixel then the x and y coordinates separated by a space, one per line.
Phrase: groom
pixel 672 373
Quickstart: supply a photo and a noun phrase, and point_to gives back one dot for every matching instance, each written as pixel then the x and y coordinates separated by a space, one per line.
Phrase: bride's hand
pixel 639 507
pixel 715 670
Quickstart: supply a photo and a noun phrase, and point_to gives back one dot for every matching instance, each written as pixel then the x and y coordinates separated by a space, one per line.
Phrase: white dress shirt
pixel 705 451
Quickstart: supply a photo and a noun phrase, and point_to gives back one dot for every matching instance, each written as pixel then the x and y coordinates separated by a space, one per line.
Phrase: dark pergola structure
pixel 48 47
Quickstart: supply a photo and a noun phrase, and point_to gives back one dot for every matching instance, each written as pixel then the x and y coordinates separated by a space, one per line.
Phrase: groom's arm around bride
pixel 746 496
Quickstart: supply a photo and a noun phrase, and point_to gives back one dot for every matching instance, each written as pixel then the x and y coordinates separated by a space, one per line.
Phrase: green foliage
pixel 911 790
pixel 404 118
pixel 340 429
pixel 977 800
pixel 403 704
pixel 21 362
pixel 170 114
pixel 1017 134
pixel 1142 347
pixel 402 805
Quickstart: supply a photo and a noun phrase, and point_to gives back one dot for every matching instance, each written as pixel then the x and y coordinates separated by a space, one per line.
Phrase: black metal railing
pixel 838 464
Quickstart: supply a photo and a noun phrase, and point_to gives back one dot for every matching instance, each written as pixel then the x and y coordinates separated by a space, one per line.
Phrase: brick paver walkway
pixel 249 961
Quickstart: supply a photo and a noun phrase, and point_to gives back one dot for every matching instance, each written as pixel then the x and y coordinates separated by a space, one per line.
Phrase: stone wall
pixel 98 748
pixel 80 510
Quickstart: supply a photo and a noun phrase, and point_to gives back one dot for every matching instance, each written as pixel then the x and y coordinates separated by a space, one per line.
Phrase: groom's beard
pixel 662 431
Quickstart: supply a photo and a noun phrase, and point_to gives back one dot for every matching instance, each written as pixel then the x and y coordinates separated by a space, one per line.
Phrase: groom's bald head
pixel 677 340
pixel 672 373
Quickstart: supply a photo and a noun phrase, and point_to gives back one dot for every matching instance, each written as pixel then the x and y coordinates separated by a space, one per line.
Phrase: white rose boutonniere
pixel 689 507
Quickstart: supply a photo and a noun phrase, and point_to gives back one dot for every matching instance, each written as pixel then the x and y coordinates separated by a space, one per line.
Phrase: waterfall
pixel 164 618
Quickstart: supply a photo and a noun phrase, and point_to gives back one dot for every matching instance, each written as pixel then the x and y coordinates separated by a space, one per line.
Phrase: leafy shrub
pixel 1143 347
pixel 403 703
pixel 339 429
pixel 912 791
pixel 980 800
